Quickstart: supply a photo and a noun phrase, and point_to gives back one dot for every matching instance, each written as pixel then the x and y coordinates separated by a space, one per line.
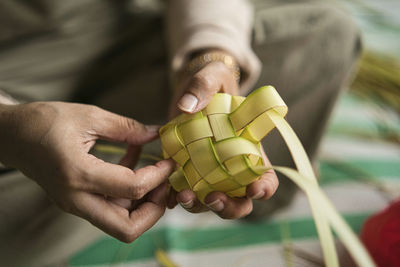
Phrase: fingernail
pixel 188 102
pixel 258 195
pixel 152 128
pixel 187 205
pixel 216 205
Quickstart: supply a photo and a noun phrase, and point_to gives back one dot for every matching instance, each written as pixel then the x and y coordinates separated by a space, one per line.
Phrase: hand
pixel 194 93
pixel 49 142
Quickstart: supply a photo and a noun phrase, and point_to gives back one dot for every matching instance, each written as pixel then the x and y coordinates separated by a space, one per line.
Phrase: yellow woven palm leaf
pixel 218 149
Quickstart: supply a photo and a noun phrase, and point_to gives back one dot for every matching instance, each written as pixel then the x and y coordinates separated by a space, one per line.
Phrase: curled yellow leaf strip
pixel 218 149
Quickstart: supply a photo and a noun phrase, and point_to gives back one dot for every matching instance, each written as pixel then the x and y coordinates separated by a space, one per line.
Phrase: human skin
pixel 50 141
pixel 191 95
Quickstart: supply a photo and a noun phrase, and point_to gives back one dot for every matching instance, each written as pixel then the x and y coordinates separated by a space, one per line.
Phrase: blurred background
pixel 359 170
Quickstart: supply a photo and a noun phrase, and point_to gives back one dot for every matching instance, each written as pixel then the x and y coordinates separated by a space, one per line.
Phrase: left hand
pixel 50 142
pixel 192 95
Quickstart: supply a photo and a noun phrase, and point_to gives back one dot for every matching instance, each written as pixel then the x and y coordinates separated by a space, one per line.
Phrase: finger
pixel 122 202
pixel 131 156
pixel 214 77
pixel 172 198
pixel 117 221
pixel 188 200
pixel 228 208
pixel 265 187
pixel 113 127
pixel 121 182
pixel 159 195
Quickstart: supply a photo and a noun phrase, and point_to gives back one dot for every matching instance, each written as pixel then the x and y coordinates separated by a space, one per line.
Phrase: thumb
pixel 113 127
pixel 211 79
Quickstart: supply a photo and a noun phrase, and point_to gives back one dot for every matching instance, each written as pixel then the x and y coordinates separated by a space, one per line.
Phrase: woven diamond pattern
pixel 218 149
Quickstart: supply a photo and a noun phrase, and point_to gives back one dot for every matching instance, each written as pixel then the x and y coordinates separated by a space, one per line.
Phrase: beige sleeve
pixel 225 24
pixel 7 99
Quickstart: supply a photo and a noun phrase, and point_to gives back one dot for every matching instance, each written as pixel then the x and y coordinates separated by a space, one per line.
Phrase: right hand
pixel 50 142
pixel 193 94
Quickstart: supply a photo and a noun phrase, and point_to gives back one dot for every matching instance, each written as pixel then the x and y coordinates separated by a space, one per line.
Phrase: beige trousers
pixel 308 52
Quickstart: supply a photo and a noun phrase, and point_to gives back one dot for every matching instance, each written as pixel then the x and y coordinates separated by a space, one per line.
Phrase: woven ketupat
pixel 218 148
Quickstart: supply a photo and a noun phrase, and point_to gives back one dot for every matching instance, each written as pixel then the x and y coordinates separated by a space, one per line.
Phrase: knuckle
pixel 272 186
pixel 163 168
pixel 73 180
pixel 129 233
pixel 275 183
pixel 126 172
pixel 86 178
pixel 247 210
pixel 126 238
pixel 203 81
pixel 137 191
pixel 93 111
pixel 130 124
pixel 94 108
pixel 221 68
